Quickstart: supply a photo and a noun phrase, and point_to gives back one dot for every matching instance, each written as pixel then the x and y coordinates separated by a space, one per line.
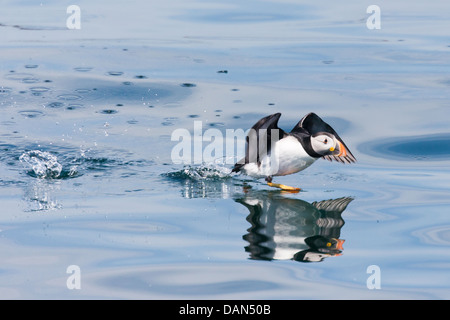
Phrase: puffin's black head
pixel 324 140
pixel 327 245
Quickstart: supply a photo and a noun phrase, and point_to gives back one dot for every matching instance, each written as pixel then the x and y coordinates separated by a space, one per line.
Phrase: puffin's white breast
pixel 287 157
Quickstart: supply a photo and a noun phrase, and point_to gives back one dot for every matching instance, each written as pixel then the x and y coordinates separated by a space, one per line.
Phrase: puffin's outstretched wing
pixel 330 221
pixel 313 124
pixel 259 140
pixel 333 205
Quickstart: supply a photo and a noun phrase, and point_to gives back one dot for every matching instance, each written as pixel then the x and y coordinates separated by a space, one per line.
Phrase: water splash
pixel 43 164
pixel 41 196
pixel 211 181
pixel 201 172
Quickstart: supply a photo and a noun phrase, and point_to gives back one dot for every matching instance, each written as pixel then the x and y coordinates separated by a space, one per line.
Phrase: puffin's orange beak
pixel 342 150
pixel 339 244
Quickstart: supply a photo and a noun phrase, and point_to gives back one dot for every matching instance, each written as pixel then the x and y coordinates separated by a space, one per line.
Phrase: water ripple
pixel 434 147
pixel 39 90
pixel 69 97
pixel 18 76
pixel 438 235
pixel 31 113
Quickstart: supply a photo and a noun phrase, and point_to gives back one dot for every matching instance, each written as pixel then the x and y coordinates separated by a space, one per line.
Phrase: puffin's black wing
pixel 313 124
pixel 330 221
pixel 259 140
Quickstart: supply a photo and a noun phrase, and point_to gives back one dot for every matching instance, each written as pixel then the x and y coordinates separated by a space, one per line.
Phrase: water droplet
pixel 169 121
pixel 31 113
pixel 39 89
pixel 55 105
pixel 30 80
pixel 188 85
pixel 216 124
pixel 82 91
pixel 31 66
pixel 69 97
pixel 83 69
pixel 109 111
pixel 114 73
pixel 5 91
pixel 74 106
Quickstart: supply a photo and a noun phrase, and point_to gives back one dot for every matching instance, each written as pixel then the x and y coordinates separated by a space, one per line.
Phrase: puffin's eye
pixel 325 141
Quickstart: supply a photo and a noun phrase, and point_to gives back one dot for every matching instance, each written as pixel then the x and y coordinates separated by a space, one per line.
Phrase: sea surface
pixel 93 204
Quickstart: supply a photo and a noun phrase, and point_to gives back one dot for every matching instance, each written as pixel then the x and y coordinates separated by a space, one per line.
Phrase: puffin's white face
pixel 324 144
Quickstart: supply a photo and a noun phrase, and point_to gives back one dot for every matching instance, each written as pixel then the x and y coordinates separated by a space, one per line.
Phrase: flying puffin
pixel 270 151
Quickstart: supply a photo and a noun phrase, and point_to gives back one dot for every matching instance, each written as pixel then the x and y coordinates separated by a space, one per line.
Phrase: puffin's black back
pixel 313 124
pixel 259 140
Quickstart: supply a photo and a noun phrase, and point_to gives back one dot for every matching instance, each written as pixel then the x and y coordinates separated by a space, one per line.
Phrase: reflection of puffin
pixel 270 151
pixel 284 228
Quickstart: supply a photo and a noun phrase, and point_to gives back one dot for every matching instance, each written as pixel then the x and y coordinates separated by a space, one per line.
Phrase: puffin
pixel 286 228
pixel 271 151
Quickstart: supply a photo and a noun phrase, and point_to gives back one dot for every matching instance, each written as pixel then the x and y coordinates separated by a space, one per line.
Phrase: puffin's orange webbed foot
pixel 283 187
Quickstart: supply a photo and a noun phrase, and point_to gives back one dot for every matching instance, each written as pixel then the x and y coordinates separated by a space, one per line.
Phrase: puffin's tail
pixel 237 167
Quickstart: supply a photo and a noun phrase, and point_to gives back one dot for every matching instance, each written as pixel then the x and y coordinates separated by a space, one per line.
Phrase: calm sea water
pixel 87 178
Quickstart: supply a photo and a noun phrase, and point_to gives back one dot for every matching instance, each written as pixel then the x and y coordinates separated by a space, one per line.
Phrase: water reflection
pixel 292 229
pixel 282 227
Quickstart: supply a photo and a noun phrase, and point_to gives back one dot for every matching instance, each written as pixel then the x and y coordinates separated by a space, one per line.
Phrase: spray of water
pixel 42 164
